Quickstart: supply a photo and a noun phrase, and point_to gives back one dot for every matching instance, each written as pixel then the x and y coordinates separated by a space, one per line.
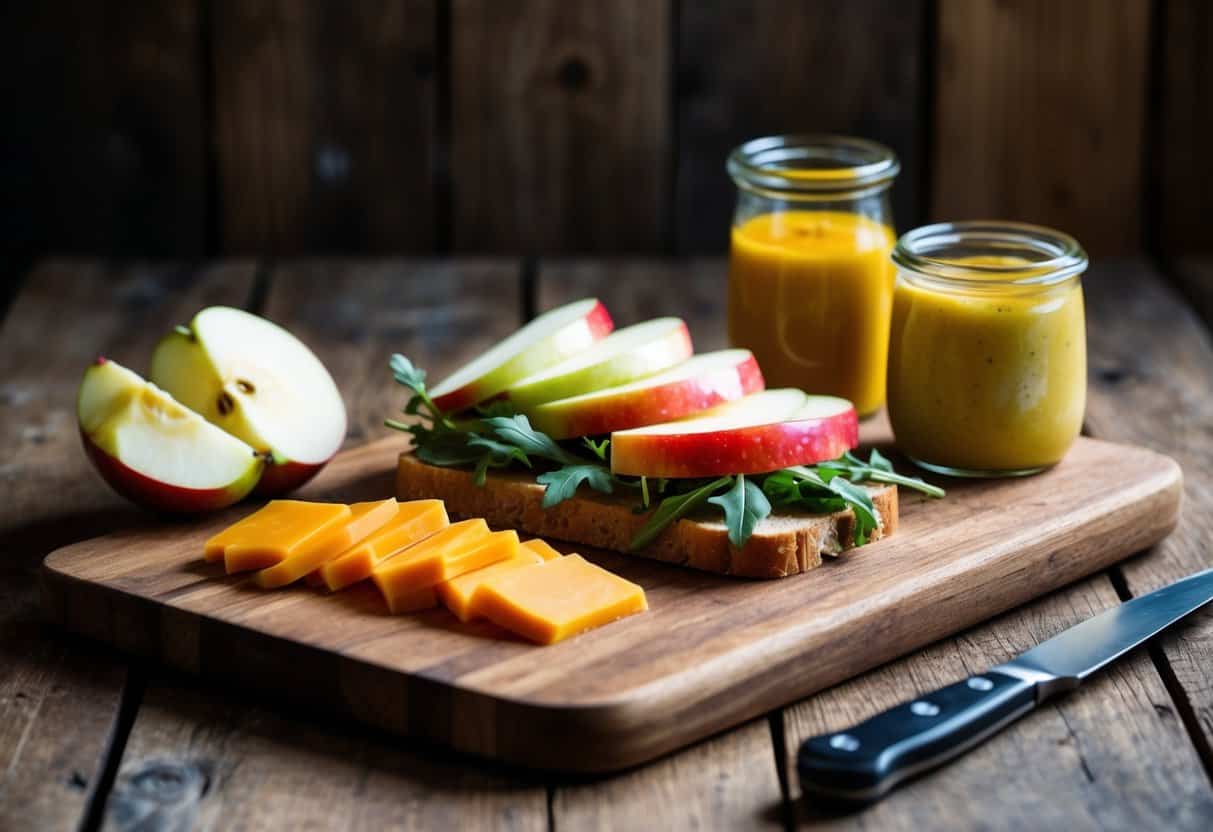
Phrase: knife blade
pixel 861 764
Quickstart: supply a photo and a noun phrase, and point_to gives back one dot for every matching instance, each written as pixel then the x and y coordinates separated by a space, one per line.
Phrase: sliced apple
pixel 547 340
pixel 694 385
pixel 624 356
pixel 154 451
pixel 259 383
pixel 763 432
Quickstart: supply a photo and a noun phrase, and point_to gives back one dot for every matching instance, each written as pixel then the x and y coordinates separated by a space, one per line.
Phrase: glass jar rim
pixel 812 163
pixel 1060 255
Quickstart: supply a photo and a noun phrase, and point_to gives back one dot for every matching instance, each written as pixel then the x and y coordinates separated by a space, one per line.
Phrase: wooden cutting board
pixel 712 651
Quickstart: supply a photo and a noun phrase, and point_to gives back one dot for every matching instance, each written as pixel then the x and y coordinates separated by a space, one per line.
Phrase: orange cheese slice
pixel 364 520
pixel 557 599
pixel 414 521
pixel 459 548
pixel 273 533
pixel 459 594
pixel 542 548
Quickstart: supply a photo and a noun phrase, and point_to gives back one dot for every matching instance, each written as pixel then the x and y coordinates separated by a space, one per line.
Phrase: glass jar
pixel 988 351
pixel 810 282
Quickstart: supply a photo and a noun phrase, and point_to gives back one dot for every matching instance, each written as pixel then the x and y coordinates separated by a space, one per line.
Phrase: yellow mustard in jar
pixel 987 350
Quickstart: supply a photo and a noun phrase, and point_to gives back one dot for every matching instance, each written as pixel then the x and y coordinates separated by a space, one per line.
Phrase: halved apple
pixel 156 452
pixel 763 432
pixel 259 383
pixel 686 388
pixel 625 355
pixel 547 340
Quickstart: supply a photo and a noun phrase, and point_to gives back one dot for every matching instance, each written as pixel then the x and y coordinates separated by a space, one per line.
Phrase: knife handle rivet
pixel 844 742
pixel 924 708
pixel 980 683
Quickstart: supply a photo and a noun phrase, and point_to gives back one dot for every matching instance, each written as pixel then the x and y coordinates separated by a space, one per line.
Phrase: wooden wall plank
pixel 1040 115
pixel 59 698
pixel 269 767
pixel 1074 764
pixel 324 120
pixel 103 141
pixel 1151 382
pixel 749 69
pixel 560 122
pixel 1181 134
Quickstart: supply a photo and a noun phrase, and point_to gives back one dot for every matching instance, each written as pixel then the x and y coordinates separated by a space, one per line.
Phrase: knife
pixel 861 764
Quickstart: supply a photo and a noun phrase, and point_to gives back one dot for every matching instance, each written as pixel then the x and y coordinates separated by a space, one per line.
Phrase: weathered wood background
pixel 276 127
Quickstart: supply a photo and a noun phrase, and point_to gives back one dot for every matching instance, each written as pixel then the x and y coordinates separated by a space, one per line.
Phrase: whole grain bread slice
pixel 785 543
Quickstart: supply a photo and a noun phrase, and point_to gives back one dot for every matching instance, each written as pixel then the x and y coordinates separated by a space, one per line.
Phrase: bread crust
pixel 786 543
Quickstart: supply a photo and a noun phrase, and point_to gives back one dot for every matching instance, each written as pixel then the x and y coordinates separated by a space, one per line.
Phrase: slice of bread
pixel 785 543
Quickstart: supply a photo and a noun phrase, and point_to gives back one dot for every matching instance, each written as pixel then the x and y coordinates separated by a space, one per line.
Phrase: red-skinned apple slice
pixel 154 451
pixel 694 385
pixel 549 339
pixel 763 432
pixel 261 384
pixel 624 356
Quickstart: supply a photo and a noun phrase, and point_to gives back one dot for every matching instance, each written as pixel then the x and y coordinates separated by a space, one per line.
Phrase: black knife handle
pixel 861 764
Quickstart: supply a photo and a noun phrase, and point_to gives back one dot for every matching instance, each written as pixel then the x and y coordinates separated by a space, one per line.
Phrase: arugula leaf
pixel 414 379
pixel 500 449
pixel 563 482
pixel 744 505
pixel 517 431
pixel 448 448
pixel 672 509
pixel 867 520
pixel 877 469
pixel 599 449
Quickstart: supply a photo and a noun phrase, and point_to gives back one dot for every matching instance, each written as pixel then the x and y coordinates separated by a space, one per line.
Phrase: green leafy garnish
pixel 563 482
pixel 744 505
pixel 494 436
pixel 674 508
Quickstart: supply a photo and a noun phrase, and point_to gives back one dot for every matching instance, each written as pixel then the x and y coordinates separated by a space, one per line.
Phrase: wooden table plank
pixel 59 698
pixel 1151 370
pixel 730 781
pixel 269 768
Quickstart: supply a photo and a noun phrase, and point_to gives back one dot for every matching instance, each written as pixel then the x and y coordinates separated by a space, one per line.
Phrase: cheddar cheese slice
pixel 558 598
pixel 542 548
pixel 273 533
pixel 459 594
pixel 414 521
pixel 364 520
pixel 457 549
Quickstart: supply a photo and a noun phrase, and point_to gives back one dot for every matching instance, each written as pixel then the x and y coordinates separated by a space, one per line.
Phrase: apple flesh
pixel 694 385
pixel 625 355
pixel 154 451
pixel 547 340
pixel 259 383
pixel 763 432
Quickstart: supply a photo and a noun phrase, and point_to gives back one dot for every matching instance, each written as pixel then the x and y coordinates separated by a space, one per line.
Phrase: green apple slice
pixel 259 383
pixel 625 355
pixel 547 340
pixel 156 452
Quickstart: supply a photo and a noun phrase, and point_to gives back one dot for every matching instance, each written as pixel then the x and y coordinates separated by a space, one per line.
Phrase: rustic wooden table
pixel 91 739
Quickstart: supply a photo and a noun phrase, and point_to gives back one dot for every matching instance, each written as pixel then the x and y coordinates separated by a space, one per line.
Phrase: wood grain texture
pixel 266 767
pixel 1077 763
pixel 59 698
pixel 560 121
pixel 103 147
pixel 1039 116
pixel 1180 143
pixel 645 685
pixel 1151 381
pixel 750 69
pixel 324 117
